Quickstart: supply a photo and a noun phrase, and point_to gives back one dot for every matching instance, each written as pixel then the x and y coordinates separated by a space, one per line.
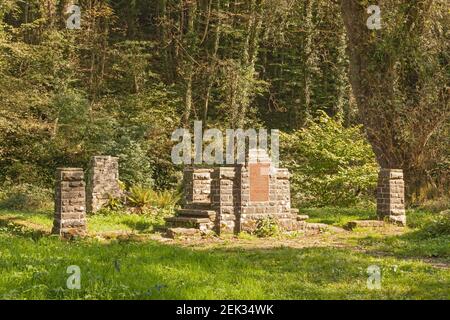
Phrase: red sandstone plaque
pixel 259 181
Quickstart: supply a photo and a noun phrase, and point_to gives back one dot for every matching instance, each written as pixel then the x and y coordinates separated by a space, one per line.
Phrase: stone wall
pixel 197 185
pixel 225 198
pixel 70 203
pixel 391 196
pixel 278 204
pixel 237 196
pixel 103 182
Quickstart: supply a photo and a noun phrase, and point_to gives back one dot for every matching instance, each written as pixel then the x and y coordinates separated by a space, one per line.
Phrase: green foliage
pixel 436 205
pixel 269 273
pixel 428 237
pixel 439 226
pixel 140 197
pixel 166 199
pixel 148 200
pixel 331 164
pixel 25 197
pixel 114 204
pixel 122 85
pixel 267 227
pixel 340 216
pixel 134 165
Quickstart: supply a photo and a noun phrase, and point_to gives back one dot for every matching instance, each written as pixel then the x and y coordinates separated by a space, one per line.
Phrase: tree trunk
pixel 192 10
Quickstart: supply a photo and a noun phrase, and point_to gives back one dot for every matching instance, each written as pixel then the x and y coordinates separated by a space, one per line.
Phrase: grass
pixel 34 267
pixel 125 270
pixel 338 216
pixel 45 219
pixel 417 243
pixel 96 223
pixel 410 245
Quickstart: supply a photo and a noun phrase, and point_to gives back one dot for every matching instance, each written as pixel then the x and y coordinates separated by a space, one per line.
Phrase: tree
pixel 399 77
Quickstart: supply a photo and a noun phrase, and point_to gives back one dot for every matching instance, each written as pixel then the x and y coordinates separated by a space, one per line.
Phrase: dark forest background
pixel 347 99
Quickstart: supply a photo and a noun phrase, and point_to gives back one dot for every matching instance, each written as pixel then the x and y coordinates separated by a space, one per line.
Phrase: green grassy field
pixel 97 223
pixel 34 267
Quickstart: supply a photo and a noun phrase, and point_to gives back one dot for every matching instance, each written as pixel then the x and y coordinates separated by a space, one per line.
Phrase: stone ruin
pixel 391 196
pixel 72 195
pixel 226 199
pixel 103 182
pixel 70 203
pixel 231 199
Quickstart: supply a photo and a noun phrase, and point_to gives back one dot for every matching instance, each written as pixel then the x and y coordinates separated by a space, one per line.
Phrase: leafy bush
pixel 25 197
pixel 439 226
pixel 166 199
pixel 140 197
pixel 134 165
pixel 331 164
pixel 145 198
pixel 436 205
pixel 114 204
pixel 267 227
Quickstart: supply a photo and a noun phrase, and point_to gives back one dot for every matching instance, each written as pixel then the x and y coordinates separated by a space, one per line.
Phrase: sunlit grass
pixel 338 216
pixel 34 266
pixel 125 270
pixel 96 223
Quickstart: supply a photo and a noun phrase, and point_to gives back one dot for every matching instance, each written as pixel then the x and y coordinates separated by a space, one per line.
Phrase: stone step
pixel 190 223
pixel 302 217
pixel 364 224
pixel 202 224
pixel 175 233
pixel 192 220
pixel 198 205
pixel 197 213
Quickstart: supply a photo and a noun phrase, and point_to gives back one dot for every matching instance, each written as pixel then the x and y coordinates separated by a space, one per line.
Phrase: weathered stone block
pixel 364 224
pixel 70 213
pixel 103 182
pixel 391 195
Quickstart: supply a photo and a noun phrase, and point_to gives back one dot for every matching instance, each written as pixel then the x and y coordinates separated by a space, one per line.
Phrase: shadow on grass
pixel 12 226
pixel 414 244
pixel 137 225
pixel 338 216
pixel 143 226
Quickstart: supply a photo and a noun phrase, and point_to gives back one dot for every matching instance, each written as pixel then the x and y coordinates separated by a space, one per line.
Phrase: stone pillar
pixel 70 203
pixel 197 185
pixel 225 196
pixel 391 196
pixel 103 182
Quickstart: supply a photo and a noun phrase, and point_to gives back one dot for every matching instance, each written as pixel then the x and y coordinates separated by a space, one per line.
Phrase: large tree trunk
pixel 399 107
pixel 192 11
pixel 360 51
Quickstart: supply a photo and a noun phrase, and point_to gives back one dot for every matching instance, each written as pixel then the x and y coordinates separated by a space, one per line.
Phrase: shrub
pixel 166 199
pixel 134 165
pixel 267 227
pixel 114 204
pixel 162 202
pixel 140 197
pixel 25 197
pixel 439 226
pixel 436 205
pixel 330 164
